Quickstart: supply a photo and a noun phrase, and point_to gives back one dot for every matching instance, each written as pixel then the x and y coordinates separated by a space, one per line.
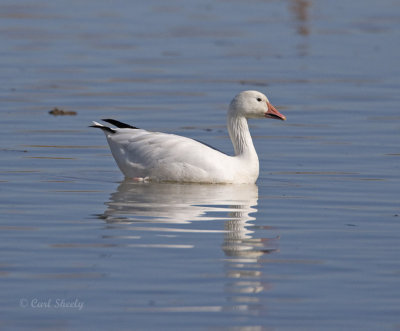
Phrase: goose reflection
pixel 183 203
pixel 157 206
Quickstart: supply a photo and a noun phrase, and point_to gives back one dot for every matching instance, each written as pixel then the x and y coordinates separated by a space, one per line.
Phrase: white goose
pixel 144 155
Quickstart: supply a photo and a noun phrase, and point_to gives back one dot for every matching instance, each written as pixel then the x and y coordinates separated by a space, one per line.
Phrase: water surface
pixel 313 245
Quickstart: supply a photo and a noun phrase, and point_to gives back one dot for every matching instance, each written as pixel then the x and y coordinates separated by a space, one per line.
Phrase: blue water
pixel 314 245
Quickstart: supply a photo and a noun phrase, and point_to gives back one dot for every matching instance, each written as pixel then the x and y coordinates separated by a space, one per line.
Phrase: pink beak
pixel 274 113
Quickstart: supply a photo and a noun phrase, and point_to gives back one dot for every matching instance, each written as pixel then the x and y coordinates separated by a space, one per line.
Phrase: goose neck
pixel 240 135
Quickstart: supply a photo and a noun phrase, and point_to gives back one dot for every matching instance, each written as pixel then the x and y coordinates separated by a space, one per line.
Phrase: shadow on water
pixel 176 209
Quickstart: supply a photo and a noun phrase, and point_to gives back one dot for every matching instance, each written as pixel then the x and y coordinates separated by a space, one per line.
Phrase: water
pixel 313 245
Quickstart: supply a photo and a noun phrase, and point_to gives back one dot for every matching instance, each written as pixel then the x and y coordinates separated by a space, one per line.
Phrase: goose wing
pixel 142 153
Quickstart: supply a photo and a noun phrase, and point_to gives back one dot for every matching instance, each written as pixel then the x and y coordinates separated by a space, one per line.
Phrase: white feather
pixel 169 157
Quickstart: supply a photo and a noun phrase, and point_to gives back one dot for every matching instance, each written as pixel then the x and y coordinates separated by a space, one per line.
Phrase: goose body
pixel 142 154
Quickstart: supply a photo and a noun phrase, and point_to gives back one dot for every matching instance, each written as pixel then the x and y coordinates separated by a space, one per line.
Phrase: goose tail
pixel 103 127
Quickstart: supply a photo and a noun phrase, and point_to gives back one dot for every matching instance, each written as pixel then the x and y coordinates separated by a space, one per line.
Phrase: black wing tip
pixel 104 128
pixel 119 124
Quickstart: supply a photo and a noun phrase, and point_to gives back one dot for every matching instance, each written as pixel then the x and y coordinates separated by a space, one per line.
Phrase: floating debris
pixel 57 112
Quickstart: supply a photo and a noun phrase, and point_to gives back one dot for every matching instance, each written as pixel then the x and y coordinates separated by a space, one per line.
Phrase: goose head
pixel 253 104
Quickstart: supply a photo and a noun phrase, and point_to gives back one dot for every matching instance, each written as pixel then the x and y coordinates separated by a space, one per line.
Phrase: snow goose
pixel 144 155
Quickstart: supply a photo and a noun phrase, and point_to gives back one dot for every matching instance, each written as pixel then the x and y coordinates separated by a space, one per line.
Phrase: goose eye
pixel 259 99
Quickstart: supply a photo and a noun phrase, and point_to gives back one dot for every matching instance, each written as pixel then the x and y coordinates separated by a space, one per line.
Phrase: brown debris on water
pixel 60 112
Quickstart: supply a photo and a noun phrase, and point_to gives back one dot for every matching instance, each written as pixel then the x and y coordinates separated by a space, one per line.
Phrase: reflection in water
pixel 179 203
pixel 300 11
pixel 300 8
pixel 157 206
